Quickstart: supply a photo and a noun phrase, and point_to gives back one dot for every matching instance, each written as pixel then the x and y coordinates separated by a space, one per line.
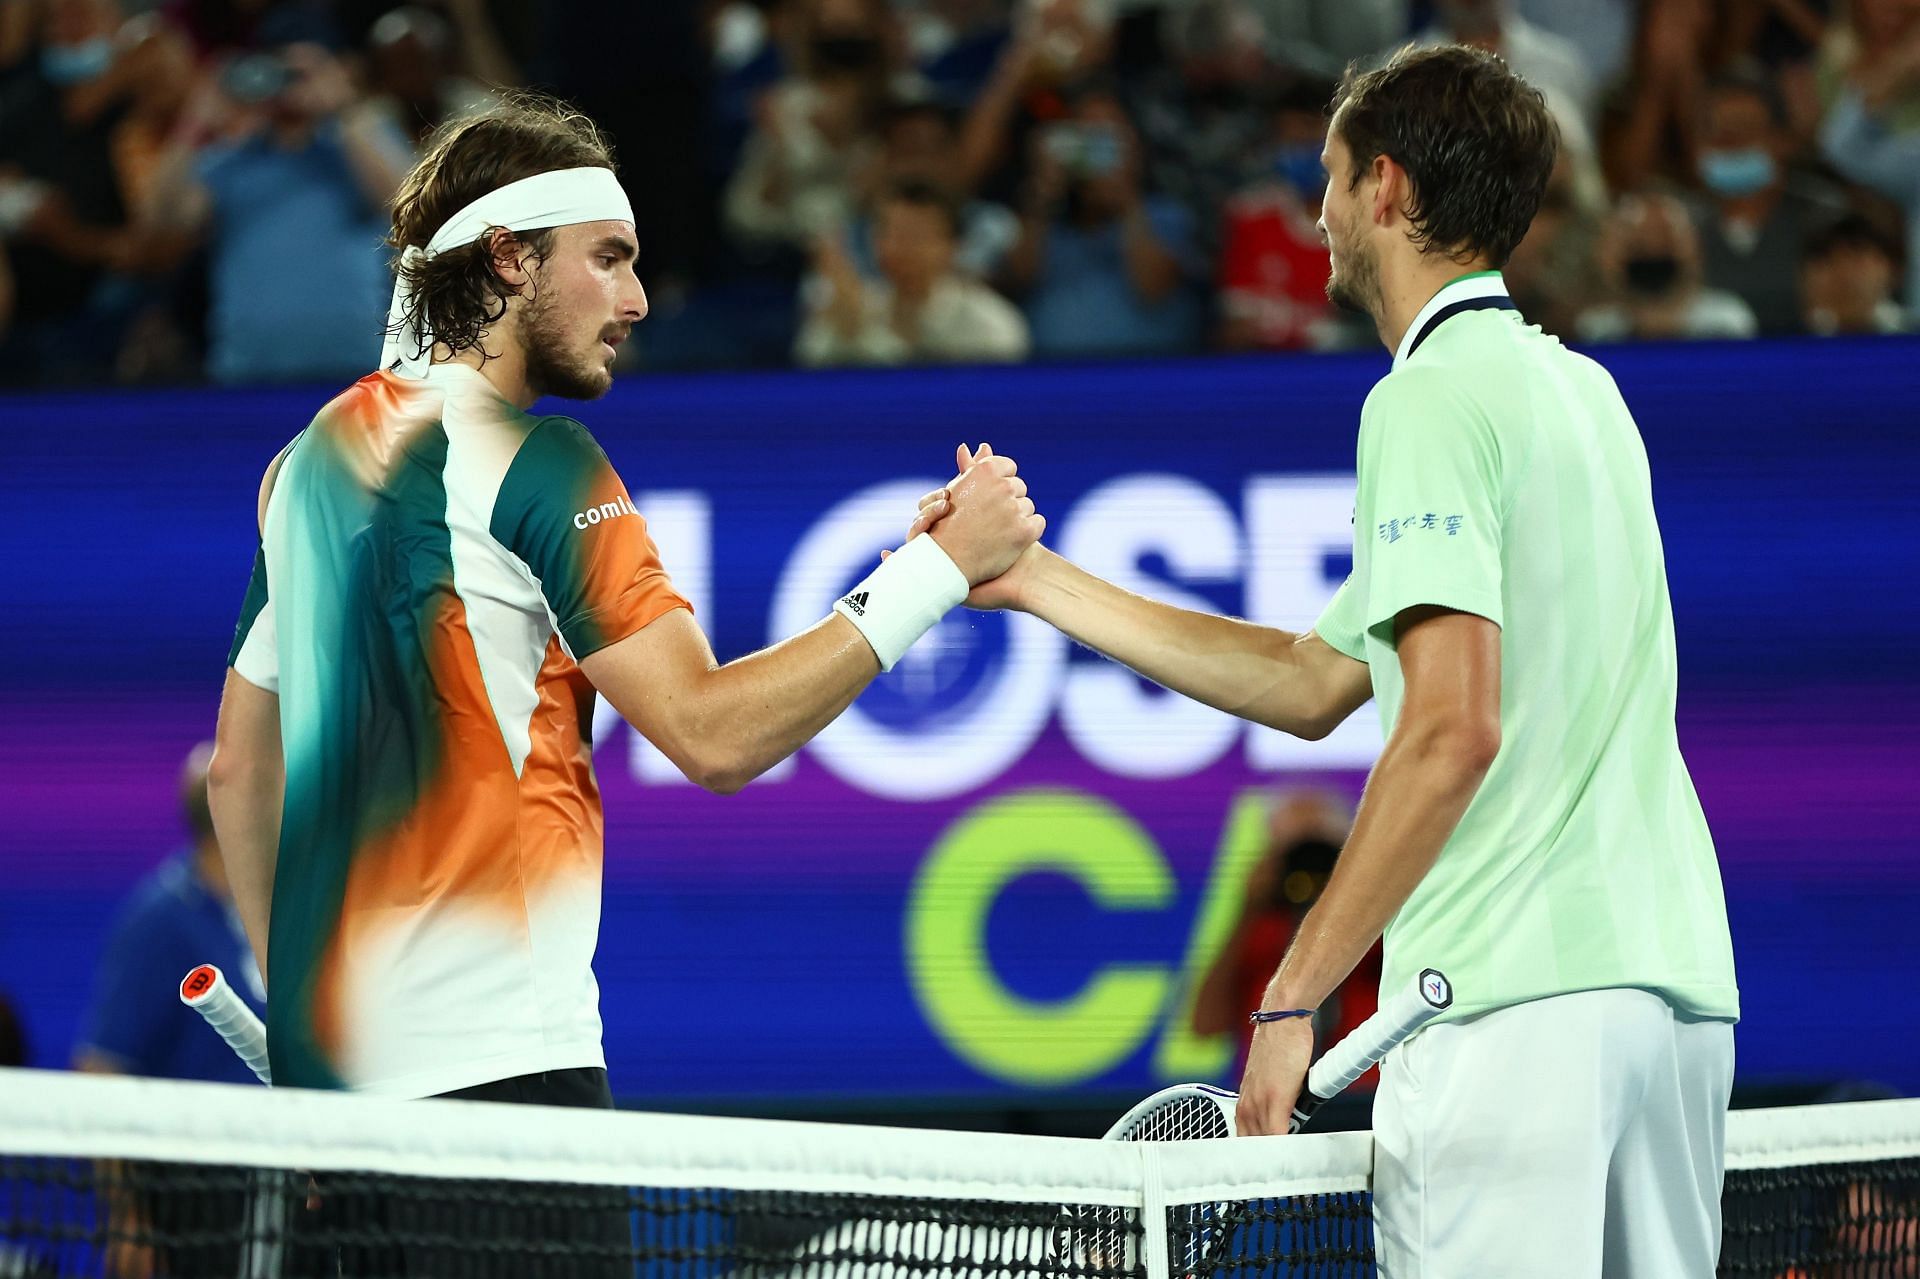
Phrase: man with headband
pixel 403 781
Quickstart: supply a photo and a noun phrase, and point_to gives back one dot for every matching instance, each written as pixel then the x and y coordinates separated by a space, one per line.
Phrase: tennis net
pixel 110 1177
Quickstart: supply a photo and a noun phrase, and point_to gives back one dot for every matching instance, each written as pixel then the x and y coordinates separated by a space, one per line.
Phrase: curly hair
pixel 1477 142
pixel 460 290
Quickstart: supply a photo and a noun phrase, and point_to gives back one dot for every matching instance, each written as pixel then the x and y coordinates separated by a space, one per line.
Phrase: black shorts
pixel 388 1227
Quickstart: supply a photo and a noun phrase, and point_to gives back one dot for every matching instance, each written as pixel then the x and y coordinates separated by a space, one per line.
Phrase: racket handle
pixel 1427 997
pixel 205 990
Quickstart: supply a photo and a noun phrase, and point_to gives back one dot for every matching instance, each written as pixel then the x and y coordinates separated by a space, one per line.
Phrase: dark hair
pixel 925 195
pixel 466 158
pixel 1750 78
pixel 1476 140
pixel 1848 231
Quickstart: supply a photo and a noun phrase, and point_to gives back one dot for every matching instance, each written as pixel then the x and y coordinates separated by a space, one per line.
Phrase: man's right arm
pixel 634 639
pixel 1297 683
pixel 246 785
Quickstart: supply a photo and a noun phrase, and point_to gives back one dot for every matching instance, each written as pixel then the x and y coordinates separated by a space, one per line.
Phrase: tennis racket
pixel 205 990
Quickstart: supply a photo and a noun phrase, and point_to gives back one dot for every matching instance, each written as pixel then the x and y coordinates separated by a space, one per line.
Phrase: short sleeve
pixel 564 512
pixel 1342 624
pixel 1429 500
pixel 255 655
pixel 131 1017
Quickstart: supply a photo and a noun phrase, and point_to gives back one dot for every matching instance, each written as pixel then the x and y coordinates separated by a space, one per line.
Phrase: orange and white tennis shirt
pixel 433 566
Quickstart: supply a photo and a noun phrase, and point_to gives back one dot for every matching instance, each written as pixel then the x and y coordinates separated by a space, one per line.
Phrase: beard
pixel 1354 283
pixel 553 369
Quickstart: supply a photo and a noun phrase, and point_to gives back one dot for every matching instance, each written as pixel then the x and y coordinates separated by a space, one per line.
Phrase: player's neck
pixel 1408 285
pixel 502 361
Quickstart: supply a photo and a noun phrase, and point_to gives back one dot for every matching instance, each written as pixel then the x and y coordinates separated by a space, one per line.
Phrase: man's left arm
pixel 1440 750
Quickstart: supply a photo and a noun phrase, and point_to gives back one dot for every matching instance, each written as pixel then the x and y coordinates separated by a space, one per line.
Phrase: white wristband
pixel 902 599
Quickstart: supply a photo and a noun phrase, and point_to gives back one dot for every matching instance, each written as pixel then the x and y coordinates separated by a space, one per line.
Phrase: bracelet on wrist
pixel 1260 1017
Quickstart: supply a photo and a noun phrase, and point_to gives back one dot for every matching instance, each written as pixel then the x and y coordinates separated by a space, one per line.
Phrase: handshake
pixel 986 524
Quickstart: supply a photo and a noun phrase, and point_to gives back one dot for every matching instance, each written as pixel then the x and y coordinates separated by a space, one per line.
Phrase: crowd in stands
pixel 198 188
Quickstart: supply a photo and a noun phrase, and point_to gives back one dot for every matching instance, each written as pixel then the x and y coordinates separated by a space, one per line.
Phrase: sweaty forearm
pixel 1260 673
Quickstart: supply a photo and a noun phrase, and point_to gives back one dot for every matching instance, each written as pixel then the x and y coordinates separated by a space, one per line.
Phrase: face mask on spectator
pixel 1298 164
pixel 1652 275
pixel 1737 173
pixel 66 64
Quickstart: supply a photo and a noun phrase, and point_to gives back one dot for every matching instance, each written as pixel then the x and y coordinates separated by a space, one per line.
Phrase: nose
pixel 634 304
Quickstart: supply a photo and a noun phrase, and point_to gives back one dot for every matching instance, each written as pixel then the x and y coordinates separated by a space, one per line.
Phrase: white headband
pixel 560 198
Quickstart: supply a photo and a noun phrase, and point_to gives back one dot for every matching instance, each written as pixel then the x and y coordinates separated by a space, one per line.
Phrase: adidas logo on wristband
pixel 857 603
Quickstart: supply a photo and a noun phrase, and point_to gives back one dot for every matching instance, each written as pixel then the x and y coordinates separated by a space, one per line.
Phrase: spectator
pixel 1754 215
pixel 1104 268
pixel 1059 47
pixel 1872 52
pixel 1847 274
pixel 1546 61
pixel 957 43
pixel 293 208
pixel 1274 264
pixel 62 219
pixel 1601 31
pixel 413 77
pixel 1200 118
pixel 919 142
pixel 1551 274
pixel 921 309
pixel 1872 133
pixel 1319 38
pixel 799 175
pixel 1658 134
pixel 1305 832
pixel 181 915
pixel 1650 263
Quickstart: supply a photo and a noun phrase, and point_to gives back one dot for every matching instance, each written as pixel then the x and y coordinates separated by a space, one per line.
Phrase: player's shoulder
pixel 1427 392
pixel 556 450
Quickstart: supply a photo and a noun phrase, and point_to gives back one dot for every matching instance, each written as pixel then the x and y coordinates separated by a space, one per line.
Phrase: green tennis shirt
pixel 1502 475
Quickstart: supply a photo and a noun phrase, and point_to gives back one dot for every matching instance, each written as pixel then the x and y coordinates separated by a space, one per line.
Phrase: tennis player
pixel 1530 828
pixel 403 783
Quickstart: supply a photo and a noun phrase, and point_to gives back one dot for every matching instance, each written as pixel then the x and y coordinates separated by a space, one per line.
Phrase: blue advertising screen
pixel 1001 873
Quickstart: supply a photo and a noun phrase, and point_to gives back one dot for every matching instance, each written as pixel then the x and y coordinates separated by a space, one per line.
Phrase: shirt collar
pixel 1481 286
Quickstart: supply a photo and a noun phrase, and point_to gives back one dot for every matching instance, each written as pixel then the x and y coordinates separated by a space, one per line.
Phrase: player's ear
pixel 511 258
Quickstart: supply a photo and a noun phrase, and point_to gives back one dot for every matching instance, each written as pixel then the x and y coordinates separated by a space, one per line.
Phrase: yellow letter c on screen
pixel 994 1029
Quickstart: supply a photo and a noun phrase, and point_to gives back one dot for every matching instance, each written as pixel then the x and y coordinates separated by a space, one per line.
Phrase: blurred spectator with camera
pixel 1201 119
pixel 1871 133
pixel 1755 212
pixel 287 173
pixel 813 137
pixel 178 917
pixel 1847 274
pixel 1058 49
pixel 1102 267
pixel 922 309
pixel 1649 264
pixel 1305 832
pixel 1274 263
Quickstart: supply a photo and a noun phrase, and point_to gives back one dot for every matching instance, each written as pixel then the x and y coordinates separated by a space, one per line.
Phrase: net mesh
pixel 123 1177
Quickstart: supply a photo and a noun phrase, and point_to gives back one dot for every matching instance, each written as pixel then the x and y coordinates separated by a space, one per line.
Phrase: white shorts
pixel 1580 1137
